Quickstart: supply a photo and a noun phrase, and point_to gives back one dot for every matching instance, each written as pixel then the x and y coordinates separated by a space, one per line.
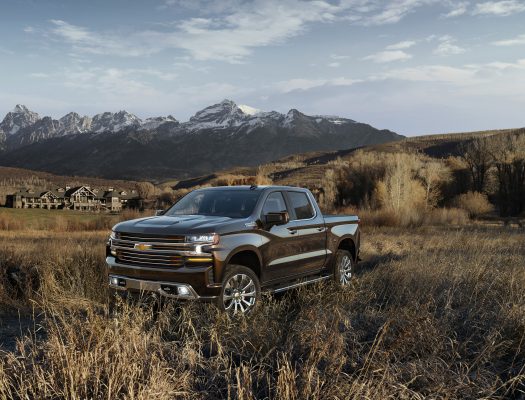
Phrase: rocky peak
pixel 155 122
pixel 114 122
pixel 72 123
pixel 222 115
pixel 17 119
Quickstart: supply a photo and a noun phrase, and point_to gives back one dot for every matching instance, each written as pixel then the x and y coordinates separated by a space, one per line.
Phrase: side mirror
pixel 158 213
pixel 280 218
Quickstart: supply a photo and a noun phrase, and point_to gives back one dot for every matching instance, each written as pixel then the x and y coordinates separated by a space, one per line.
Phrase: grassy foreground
pixel 434 312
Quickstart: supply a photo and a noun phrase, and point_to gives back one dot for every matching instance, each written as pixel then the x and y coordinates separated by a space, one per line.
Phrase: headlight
pixel 207 238
pixel 114 235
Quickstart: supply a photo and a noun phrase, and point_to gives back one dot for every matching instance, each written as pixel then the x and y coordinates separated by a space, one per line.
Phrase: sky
pixel 411 66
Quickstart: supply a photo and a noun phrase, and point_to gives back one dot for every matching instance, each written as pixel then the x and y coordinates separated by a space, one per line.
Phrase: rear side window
pixel 274 203
pixel 301 205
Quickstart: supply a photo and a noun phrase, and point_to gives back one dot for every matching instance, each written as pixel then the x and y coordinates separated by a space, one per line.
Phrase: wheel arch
pixel 246 256
pixel 348 243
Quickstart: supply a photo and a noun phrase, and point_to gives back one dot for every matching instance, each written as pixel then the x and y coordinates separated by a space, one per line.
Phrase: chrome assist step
pixel 299 283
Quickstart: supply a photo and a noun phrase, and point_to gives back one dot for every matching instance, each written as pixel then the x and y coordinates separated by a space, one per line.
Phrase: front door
pixel 309 234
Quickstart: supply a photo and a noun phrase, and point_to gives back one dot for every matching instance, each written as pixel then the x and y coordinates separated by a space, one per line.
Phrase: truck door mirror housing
pixel 158 213
pixel 279 218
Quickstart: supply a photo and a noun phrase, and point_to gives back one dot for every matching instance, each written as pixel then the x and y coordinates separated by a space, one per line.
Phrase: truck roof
pixel 254 187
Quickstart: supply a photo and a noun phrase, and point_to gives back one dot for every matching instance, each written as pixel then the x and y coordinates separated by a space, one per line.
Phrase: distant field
pixel 61 220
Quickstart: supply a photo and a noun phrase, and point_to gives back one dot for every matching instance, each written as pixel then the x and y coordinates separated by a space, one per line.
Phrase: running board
pixel 298 284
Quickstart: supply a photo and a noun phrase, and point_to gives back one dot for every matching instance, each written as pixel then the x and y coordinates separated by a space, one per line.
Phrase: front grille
pixel 152 250
pixel 149 258
pixel 145 238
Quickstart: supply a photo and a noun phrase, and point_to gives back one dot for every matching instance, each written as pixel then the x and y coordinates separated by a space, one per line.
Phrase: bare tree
pixel 432 174
pixel 145 189
pixel 478 158
pixel 508 155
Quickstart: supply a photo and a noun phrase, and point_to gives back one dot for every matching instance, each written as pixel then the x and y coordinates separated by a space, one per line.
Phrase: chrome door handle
pixel 292 231
pixel 321 229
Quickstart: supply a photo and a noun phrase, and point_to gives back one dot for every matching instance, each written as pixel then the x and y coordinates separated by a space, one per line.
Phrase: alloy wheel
pixel 345 270
pixel 240 294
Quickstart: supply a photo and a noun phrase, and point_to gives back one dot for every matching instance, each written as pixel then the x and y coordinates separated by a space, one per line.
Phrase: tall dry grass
pixel 433 313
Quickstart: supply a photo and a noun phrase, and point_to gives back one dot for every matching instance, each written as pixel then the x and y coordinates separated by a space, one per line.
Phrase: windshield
pixel 220 203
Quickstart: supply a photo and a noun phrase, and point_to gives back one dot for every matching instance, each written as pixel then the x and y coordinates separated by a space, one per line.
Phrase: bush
pixel 447 216
pixel 409 217
pixel 474 203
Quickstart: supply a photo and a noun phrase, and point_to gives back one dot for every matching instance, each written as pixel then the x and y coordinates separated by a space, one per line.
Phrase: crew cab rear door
pixel 309 233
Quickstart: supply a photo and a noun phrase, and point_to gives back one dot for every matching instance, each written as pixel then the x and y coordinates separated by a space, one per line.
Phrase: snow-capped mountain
pixel 15 120
pixel 155 122
pixel 22 127
pixel 73 123
pixel 114 122
pixel 121 145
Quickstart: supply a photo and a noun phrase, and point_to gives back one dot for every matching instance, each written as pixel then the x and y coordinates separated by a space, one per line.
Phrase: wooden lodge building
pixel 80 198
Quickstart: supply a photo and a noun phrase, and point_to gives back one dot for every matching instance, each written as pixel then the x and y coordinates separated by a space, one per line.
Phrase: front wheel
pixel 241 291
pixel 343 267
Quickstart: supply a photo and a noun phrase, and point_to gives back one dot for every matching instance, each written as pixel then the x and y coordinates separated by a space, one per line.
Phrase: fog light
pixel 113 281
pixel 113 252
pixel 183 291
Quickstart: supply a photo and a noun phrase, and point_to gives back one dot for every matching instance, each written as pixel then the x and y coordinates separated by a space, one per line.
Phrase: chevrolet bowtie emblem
pixel 142 246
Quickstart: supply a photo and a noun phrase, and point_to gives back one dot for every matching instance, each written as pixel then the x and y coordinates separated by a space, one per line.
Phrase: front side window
pixel 220 203
pixel 274 203
pixel 301 205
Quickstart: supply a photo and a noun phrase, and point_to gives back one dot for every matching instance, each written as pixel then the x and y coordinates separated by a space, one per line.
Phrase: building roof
pixel 99 194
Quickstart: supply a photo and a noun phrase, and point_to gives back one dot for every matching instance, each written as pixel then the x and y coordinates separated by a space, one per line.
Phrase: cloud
pixel 339 57
pixel 231 30
pixel 334 64
pixel 457 10
pixel 401 45
pixel 85 41
pixel 431 73
pixel 518 40
pixel 308 84
pixel 466 75
pixel 29 29
pixel 230 37
pixel 447 47
pixel 499 8
pixel 392 11
pixel 38 75
pixel 388 56
pixel 3 50
pixel 120 81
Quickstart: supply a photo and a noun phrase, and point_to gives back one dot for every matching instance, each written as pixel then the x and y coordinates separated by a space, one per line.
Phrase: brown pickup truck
pixel 228 244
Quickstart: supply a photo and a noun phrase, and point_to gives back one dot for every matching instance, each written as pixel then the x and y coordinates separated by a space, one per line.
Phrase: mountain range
pixel 122 146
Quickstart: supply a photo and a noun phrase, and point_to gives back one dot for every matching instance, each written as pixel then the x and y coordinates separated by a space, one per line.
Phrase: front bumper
pixel 189 283
pixel 166 289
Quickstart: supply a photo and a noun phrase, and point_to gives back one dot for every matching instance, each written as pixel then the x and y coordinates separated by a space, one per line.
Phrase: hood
pixel 179 225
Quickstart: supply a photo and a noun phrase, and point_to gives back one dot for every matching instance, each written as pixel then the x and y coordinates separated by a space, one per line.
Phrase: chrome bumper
pixel 166 289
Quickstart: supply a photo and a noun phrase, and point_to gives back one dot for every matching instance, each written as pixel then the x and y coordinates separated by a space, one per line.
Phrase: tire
pixel 343 268
pixel 241 291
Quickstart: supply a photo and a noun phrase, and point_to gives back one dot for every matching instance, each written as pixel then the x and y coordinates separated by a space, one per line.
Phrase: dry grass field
pixel 434 312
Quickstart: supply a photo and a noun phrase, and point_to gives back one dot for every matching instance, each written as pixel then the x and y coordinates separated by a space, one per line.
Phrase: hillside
pixel 308 169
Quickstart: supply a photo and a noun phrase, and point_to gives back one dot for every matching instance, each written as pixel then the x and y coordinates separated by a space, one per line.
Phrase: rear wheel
pixel 343 267
pixel 241 291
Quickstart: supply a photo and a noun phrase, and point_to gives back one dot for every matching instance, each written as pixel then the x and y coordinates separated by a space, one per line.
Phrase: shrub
pixel 474 203
pixel 8 223
pixel 447 216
